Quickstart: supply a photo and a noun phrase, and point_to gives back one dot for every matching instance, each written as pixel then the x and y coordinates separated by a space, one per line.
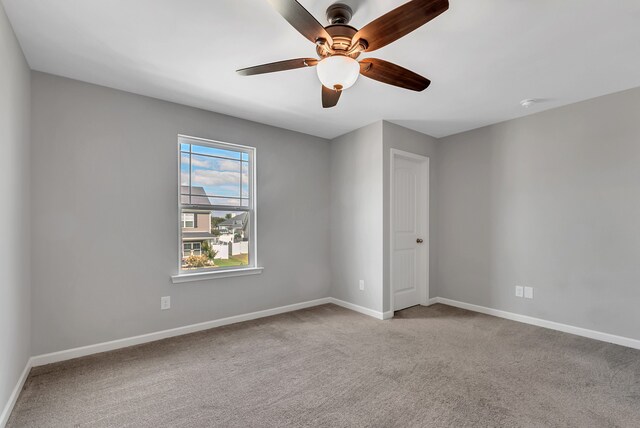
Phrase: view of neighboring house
pixel 196 228
pixel 233 229
pixel 196 225
pixel 227 236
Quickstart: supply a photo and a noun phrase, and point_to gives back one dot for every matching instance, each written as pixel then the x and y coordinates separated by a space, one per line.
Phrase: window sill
pixel 201 276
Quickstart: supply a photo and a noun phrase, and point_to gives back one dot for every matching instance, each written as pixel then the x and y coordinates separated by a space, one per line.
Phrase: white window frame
pixel 203 274
pixel 191 251
pixel 184 222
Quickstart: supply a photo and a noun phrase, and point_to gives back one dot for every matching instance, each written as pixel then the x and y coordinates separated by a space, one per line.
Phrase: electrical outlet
pixel 528 292
pixel 165 303
pixel 361 284
pixel 519 291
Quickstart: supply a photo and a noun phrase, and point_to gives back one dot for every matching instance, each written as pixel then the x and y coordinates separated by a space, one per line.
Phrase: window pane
pixel 184 171
pixel 188 220
pixel 184 147
pixel 212 178
pixel 213 151
pixel 231 202
pixel 220 240
pixel 245 180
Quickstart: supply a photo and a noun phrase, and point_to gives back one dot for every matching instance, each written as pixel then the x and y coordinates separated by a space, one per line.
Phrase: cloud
pixel 220 176
pixel 207 177
pixel 200 162
pixel 215 164
pixel 227 165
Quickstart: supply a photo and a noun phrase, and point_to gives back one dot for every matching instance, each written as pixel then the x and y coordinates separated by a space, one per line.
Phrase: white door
pixel 409 229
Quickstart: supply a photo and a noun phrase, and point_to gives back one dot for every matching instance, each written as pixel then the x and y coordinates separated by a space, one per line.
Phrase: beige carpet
pixel 330 367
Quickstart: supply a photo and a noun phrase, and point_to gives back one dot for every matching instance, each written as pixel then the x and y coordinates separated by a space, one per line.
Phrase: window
pixel 188 220
pixel 191 249
pixel 217 206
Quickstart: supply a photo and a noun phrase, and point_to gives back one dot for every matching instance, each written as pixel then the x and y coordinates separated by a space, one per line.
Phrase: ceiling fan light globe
pixel 338 71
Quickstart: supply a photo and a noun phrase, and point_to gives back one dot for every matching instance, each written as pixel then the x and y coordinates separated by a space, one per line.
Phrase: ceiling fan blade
pixel 301 20
pixel 289 64
pixel 330 97
pixel 399 22
pixel 387 72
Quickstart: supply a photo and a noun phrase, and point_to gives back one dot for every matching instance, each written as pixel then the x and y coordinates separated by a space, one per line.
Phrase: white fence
pixel 235 247
pixel 240 248
pixel 222 251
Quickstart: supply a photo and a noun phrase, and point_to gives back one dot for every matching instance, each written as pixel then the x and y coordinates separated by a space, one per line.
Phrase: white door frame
pixel 395 153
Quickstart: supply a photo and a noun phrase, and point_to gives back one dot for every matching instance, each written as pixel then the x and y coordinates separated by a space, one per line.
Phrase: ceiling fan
pixel 339 44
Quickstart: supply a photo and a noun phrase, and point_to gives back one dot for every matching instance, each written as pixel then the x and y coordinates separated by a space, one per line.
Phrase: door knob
pixel 419 241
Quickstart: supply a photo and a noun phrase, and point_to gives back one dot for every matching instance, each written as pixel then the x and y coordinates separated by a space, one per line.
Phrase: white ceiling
pixel 483 57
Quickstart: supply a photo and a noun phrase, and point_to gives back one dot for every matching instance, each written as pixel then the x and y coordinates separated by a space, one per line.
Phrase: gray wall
pixel 356 216
pixel 15 316
pixel 398 137
pixel 105 216
pixel 550 201
pixel 360 180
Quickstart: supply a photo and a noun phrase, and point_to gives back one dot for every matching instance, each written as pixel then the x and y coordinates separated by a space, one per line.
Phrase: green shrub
pixel 208 251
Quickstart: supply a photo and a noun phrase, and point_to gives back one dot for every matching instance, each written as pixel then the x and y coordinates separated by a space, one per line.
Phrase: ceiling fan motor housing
pixel 339 13
pixel 342 36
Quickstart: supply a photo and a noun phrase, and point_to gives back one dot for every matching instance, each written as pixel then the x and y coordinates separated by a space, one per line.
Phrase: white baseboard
pixel 578 331
pixel 82 351
pixel 8 408
pixel 432 301
pixel 362 309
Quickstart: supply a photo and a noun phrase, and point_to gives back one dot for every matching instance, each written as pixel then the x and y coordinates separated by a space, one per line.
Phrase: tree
pixel 228 216
pixel 215 222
